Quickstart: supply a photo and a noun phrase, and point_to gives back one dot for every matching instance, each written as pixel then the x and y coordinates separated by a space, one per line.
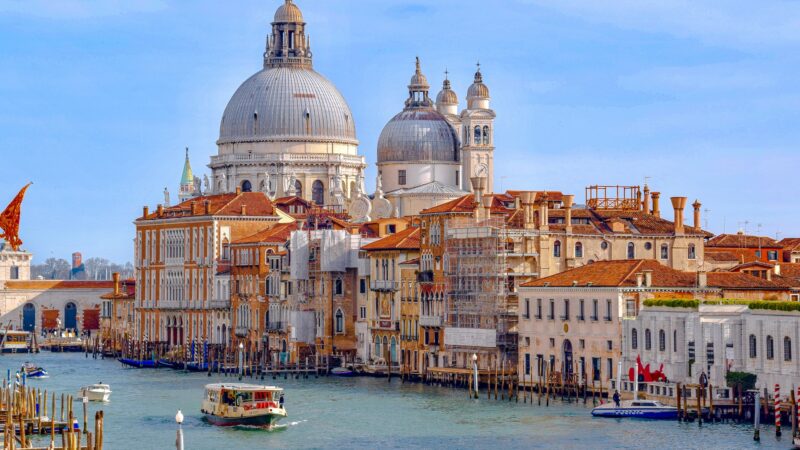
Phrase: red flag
pixel 9 220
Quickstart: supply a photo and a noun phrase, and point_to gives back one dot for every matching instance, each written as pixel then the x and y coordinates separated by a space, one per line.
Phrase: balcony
pixel 219 304
pixel 430 321
pixel 241 331
pixel 384 324
pixel 425 276
pixel 276 326
pixel 384 285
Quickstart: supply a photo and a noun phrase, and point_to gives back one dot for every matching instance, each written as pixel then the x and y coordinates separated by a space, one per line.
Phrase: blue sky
pixel 99 98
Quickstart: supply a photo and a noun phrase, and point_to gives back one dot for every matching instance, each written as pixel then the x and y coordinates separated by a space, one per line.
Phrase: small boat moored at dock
pixel 243 404
pixel 33 371
pixel 342 372
pixel 96 392
pixel 641 409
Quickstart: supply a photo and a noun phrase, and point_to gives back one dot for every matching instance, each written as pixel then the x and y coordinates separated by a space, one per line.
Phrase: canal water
pixel 359 413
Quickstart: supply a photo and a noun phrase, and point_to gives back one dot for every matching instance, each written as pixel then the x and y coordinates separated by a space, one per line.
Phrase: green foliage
pixel 775 306
pixel 746 379
pixel 673 303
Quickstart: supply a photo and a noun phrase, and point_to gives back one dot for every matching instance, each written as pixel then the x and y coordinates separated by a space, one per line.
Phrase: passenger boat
pixel 33 371
pixel 243 404
pixel 139 363
pixel 642 409
pixel 15 341
pixel 96 392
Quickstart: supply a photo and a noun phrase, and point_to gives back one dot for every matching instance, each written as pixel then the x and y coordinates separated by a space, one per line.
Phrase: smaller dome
pixel 288 12
pixel 477 89
pixel 446 96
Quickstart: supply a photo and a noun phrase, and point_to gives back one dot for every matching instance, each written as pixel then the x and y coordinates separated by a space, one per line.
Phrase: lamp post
pixel 241 359
pixel 85 401
pixel 179 437
pixel 475 368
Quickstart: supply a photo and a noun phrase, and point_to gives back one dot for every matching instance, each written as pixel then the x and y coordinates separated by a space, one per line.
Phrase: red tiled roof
pixel 255 204
pixel 746 265
pixel 277 234
pixel 617 273
pixel 790 244
pixel 407 239
pixel 719 256
pixel 742 241
pixel 740 280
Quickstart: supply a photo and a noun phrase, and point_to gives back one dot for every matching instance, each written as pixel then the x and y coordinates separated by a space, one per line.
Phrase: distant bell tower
pixel 187 188
pixel 477 135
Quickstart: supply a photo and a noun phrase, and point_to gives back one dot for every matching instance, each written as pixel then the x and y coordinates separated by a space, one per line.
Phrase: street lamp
pixel 241 360
pixel 179 437
pixel 475 367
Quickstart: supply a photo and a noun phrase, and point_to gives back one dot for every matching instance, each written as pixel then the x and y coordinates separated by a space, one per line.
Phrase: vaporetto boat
pixel 642 409
pixel 231 404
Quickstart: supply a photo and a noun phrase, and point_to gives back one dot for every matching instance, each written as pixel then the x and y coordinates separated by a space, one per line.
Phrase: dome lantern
pixel 447 100
pixel 288 44
pixel 478 93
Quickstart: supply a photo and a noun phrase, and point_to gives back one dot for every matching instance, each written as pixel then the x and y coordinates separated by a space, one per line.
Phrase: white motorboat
pixel 96 392
pixel 642 409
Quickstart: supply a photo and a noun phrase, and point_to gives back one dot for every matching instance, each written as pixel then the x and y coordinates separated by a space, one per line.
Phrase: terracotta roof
pixel 740 280
pixel 791 270
pixel 742 241
pixel 407 239
pixel 552 196
pixel 255 204
pixel 617 273
pixel 466 204
pixel 790 244
pixel 746 265
pixel 59 284
pixel 410 262
pixel 719 256
pixel 277 234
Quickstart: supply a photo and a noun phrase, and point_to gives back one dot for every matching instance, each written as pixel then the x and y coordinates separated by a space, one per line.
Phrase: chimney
pixel 244 209
pixel 639 279
pixel 528 199
pixel 193 205
pixel 646 201
pixel 544 221
pixel 769 275
pixel 678 204
pixel 160 210
pixel 145 211
pixel 702 279
pixel 696 205
pixel 238 190
pixel 115 277
pixel 487 204
pixel 478 184
pixel 656 209
pixel 207 205
pixel 648 278
pixel 568 200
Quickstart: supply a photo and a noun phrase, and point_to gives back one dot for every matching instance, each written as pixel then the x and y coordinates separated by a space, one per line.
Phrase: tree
pixel 51 269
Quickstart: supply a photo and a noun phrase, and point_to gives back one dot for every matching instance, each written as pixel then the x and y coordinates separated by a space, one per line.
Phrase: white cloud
pixel 78 9
pixel 736 23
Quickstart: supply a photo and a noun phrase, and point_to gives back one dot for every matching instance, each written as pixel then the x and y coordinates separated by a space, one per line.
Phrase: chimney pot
pixel 656 208
pixel 639 279
pixel 207 205
pixel 648 278
pixel 115 277
pixel 646 201
pixel 238 190
pixel 244 209
pixel 160 210
pixel 696 205
pixel 145 212
pixel 568 201
pixel 678 204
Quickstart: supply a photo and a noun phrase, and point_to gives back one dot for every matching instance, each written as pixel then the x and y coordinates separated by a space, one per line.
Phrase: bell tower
pixel 477 135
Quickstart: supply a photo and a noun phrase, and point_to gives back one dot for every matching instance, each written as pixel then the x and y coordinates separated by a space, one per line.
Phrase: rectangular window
pixel 595 312
pixel 527 363
pixel 14 273
pixel 363 312
pixel 552 314
pixel 580 310
pixel 566 310
pixel 582 344
pixel 610 345
pixel 362 286
pixel 552 342
pixel 610 368
pixel 527 309
pixel 596 369
pixel 608 311
pixel 540 365
pixel 772 255
pixel 401 177
pixel 538 308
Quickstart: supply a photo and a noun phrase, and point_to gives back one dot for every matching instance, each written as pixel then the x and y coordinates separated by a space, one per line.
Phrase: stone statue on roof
pixel 166 197
pixel 207 189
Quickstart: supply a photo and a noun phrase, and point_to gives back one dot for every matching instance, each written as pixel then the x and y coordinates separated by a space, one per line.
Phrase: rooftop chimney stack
pixel 678 204
pixel 568 200
pixel 646 201
pixel 244 209
pixel 648 278
pixel 145 212
pixel 115 277
pixel 656 209
pixel 478 185
pixel 487 204
pixel 238 190
pixel 160 210
pixel 696 205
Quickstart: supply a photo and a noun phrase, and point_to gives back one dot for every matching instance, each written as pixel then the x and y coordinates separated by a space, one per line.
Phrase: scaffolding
pixel 477 292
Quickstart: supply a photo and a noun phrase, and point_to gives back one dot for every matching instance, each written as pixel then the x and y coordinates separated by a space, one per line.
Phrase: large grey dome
pixel 287 104
pixel 418 134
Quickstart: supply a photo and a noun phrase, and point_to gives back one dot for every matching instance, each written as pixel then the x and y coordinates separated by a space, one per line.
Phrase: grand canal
pixel 360 413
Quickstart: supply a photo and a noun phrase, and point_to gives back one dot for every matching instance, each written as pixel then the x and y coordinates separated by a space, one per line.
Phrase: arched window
pixel 578 250
pixel 298 187
pixel 692 254
pixel 674 341
pixel 247 186
pixel 557 249
pixel 318 193
pixel 338 287
pixel 770 348
pixel 477 135
pixel 647 341
pixel 753 347
pixel 787 348
pixel 631 250
pixel 485 135
pixel 339 321
pixel 662 340
pixel 664 251
pixel 634 339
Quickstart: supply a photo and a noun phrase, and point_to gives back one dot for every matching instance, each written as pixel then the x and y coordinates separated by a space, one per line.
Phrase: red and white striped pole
pixel 777 409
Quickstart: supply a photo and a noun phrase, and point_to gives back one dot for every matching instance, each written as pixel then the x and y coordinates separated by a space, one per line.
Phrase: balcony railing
pixel 219 304
pixel 276 326
pixel 384 285
pixel 241 331
pixel 425 276
pixel 430 321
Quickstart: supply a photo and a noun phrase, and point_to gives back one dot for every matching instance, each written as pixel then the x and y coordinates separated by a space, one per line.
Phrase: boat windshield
pixel 231 397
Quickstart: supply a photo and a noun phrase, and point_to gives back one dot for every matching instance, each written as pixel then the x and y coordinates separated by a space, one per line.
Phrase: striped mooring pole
pixel 777 409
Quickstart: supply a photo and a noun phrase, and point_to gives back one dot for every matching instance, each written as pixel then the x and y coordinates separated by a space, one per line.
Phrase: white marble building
pixel 287 130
